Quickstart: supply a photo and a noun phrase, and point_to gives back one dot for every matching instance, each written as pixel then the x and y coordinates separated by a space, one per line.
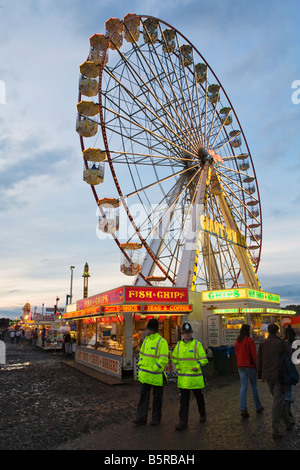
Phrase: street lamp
pixel 71 286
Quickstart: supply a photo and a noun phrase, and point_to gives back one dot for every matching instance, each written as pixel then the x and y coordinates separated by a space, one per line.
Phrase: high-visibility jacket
pixel 154 356
pixel 187 356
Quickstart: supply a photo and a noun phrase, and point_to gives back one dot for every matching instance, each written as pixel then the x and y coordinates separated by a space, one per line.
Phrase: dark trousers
pixel 279 410
pixel 185 403
pixel 142 409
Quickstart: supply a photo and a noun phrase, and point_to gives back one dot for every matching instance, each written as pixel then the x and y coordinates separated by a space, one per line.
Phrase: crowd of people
pixel 16 334
pixel 189 358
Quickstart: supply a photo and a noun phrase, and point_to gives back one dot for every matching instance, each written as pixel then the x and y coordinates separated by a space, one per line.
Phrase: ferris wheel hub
pixel 204 156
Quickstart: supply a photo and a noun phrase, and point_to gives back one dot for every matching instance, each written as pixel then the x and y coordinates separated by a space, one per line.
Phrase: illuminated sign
pixel 252 310
pixel 120 308
pixel 237 294
pixel 216 228
pixel 110 297
pixel 80 313
pixel 156 294
pixel 168 308
pixel 226 310
pixel 282 312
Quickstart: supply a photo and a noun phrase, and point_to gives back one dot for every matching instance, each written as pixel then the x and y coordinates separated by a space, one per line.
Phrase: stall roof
pixel 133 299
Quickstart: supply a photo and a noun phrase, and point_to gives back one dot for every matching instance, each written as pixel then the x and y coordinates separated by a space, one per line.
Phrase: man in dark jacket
pixel 269 353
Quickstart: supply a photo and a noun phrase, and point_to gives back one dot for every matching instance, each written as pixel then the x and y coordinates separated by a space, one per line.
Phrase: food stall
pixel 111 325
pixel 226 310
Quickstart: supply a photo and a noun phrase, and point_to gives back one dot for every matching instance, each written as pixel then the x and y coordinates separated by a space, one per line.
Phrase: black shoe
pixel 180 426
pixel 139 422
pixel 244 414
pixel 277 435
pixel 203 419
pixel 260 410
pixel 154 422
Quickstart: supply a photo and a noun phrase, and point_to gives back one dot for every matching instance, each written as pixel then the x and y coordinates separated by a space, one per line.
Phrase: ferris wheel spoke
pixel 236 183
pixel 152 92
pixel 237 210
pixel 178 196
pixel 185 102
pixel 162 180
pixel 221 127
pixel 145 156
pixel 175 102
pixel 159 138
pixel 144 109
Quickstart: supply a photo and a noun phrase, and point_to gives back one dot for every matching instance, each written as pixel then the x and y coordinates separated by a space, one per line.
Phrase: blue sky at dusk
pixel 47 213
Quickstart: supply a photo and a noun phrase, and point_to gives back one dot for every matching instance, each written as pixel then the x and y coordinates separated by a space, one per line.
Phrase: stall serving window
pixel 259 325
pixel 102 333
pixel 231 325
pixel 168 327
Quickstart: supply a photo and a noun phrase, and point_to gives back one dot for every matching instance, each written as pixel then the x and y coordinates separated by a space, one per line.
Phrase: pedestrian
pixel 154 356
pixel 34 337
pixel 12 335
pixel 18 335
pixel 268 360
pixel 43 336
pixel 290 335
pixel 246 356
pixel 67 343
pixel 189 357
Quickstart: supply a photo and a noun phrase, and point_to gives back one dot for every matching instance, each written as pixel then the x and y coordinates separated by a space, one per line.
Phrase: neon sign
pixel 236 294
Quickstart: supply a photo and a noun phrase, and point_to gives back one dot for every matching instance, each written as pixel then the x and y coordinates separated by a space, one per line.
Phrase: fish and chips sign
pixel 133 299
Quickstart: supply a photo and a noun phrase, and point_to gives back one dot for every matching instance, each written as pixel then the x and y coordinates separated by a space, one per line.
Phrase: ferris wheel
pixel 177 157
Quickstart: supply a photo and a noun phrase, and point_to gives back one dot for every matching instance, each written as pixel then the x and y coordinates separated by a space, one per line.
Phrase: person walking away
pixel 290 335
pixel 43 336
pixel 154 356
pixel 18 335
pixel 246 356
pixel 189 357
pixel 68 345
pixel 12 335
pixel 268 359
pixel 34 337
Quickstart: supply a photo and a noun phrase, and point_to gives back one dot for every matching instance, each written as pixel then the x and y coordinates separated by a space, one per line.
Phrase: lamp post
pixel 71 286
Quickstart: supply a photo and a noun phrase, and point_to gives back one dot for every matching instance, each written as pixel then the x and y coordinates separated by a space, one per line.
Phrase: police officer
pixel 189 356
pixel 154 356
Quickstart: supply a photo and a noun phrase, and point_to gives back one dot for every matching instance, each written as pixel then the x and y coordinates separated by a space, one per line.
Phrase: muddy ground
pixel 46 404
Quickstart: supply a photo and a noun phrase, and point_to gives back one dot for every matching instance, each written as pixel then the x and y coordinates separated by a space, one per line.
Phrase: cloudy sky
pixel 48 214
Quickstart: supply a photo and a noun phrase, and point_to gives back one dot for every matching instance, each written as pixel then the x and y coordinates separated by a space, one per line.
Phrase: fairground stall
pixel 48 329
pixel 111 325
pixel 225 311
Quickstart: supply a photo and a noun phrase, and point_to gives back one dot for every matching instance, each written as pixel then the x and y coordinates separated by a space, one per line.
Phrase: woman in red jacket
pixel 245 352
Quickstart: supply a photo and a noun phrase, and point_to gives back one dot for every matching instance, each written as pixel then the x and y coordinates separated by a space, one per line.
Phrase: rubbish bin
pixel 223 357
